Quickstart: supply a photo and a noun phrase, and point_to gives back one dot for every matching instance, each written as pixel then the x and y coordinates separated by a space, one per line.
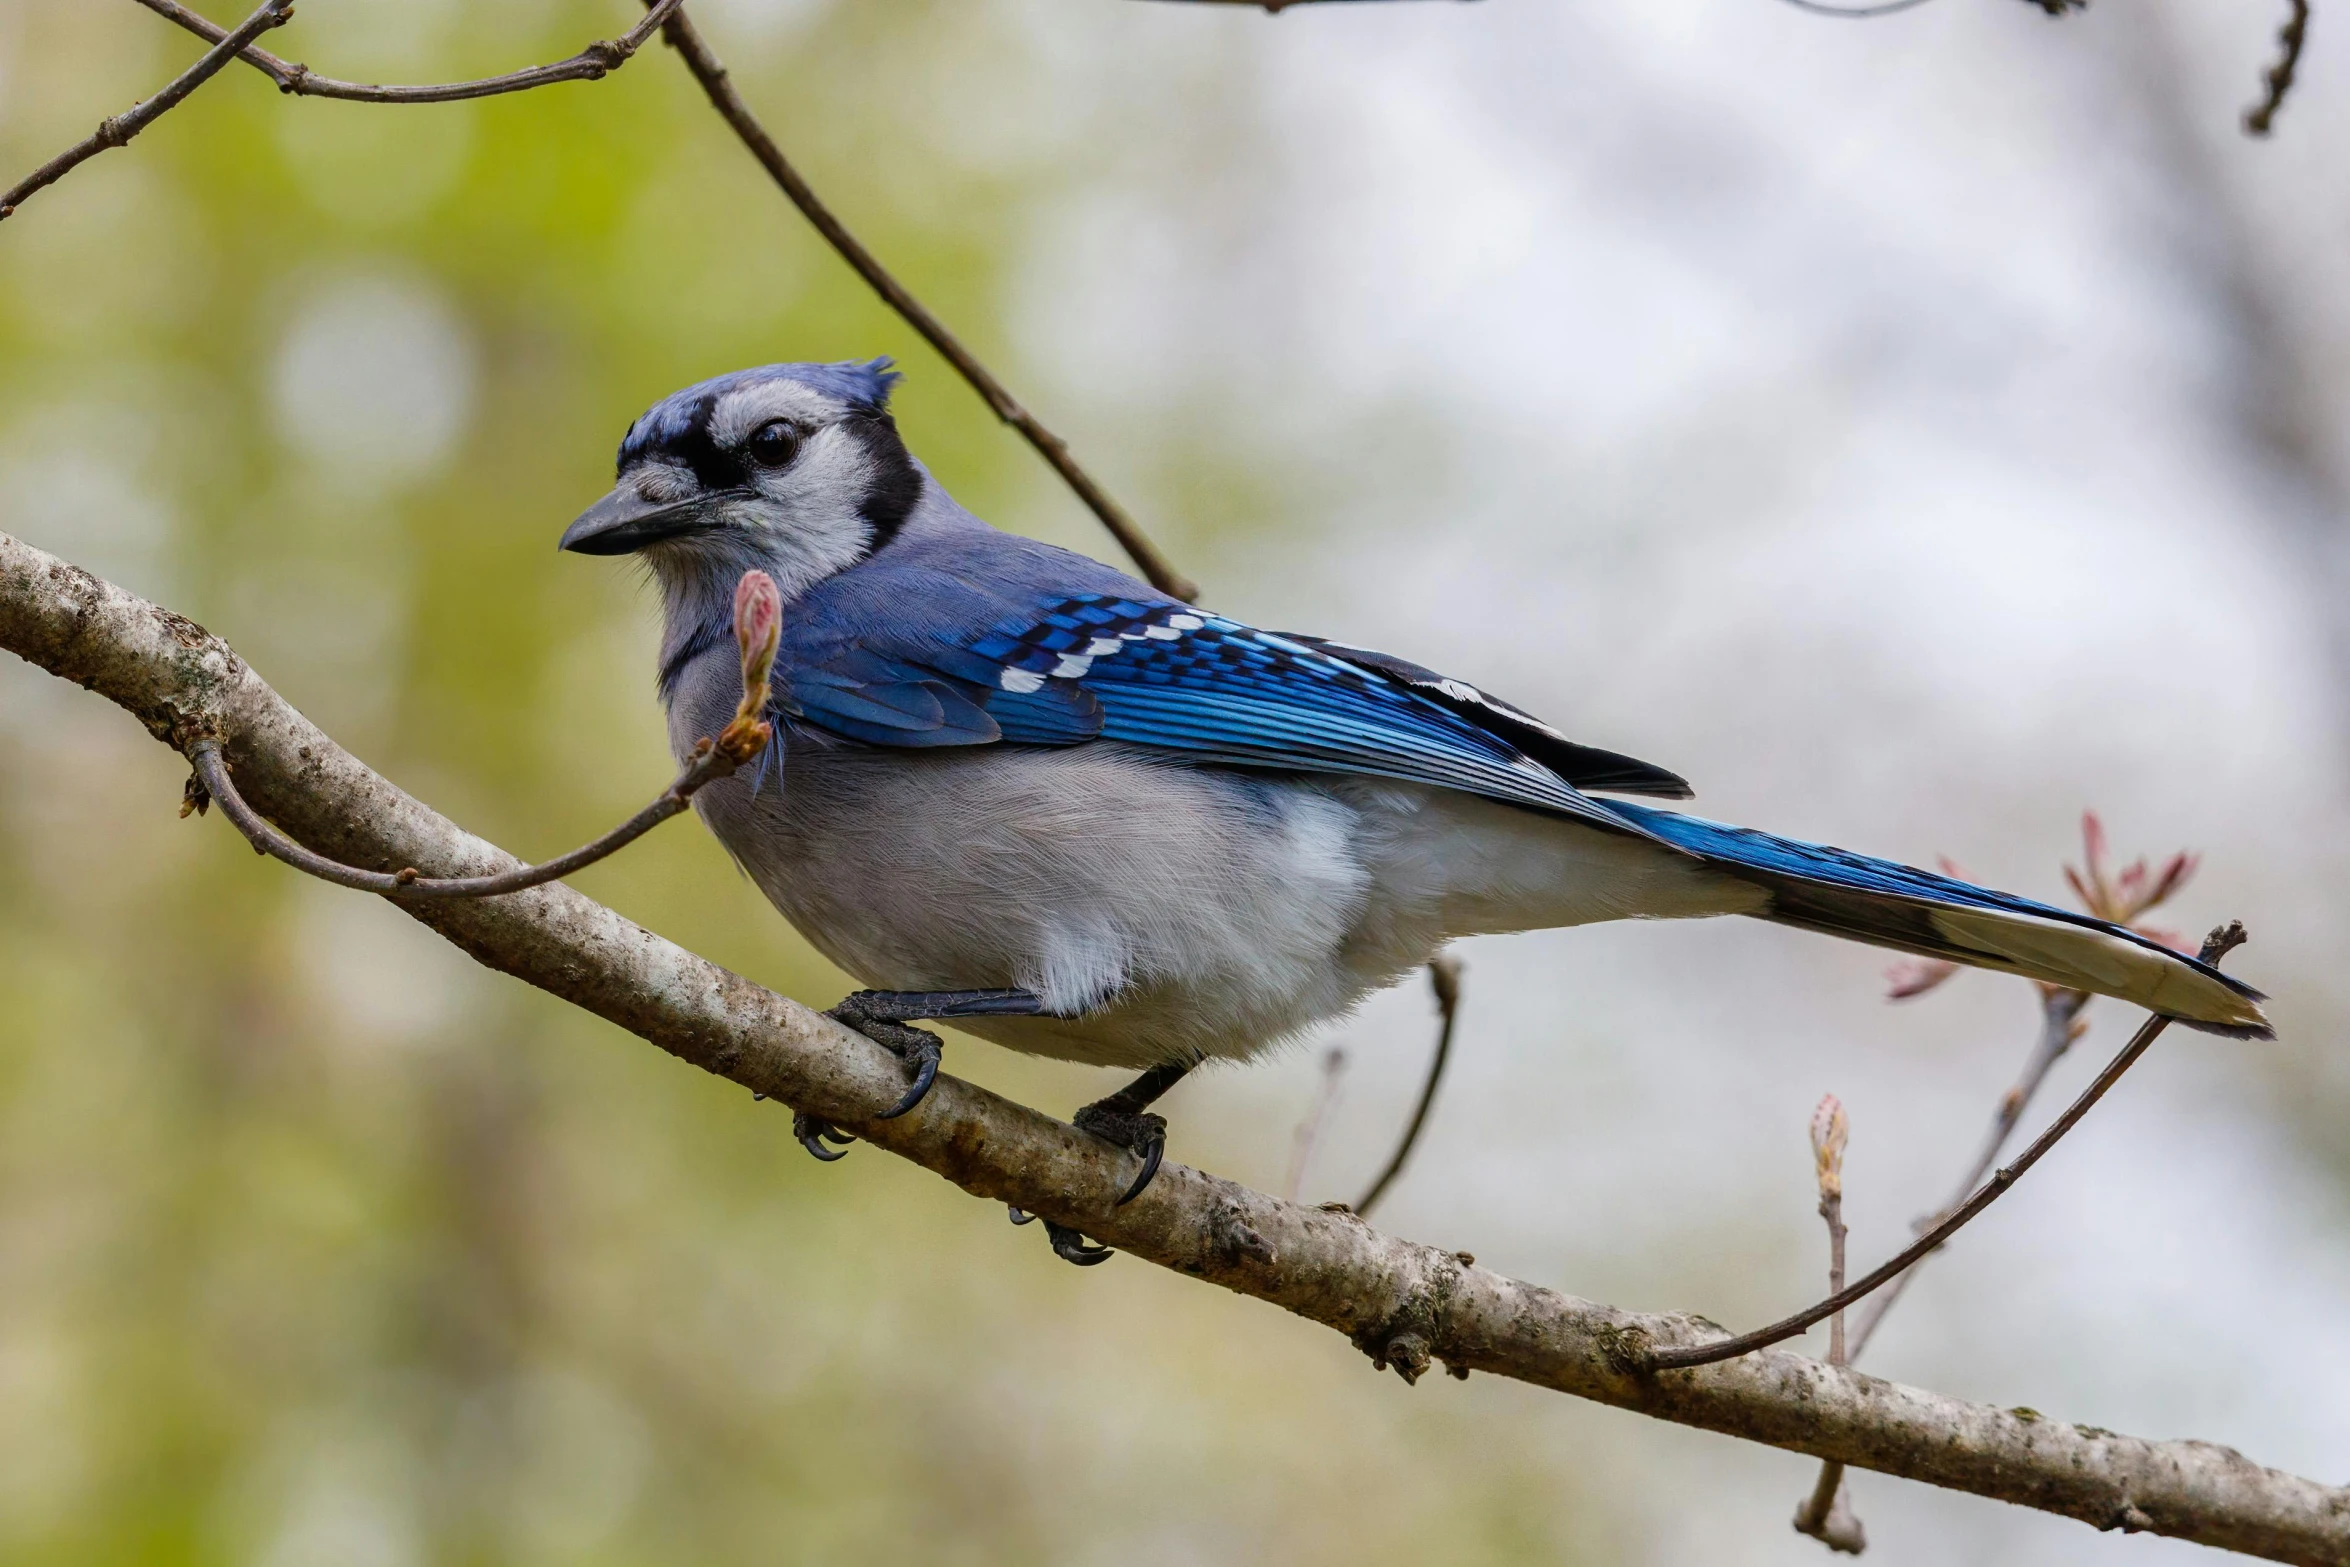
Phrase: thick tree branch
pixel 1402 1302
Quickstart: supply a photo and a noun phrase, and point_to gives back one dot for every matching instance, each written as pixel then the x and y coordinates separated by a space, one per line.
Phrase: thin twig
pixel 596 61
pixel 1854 12
pixel 2220 942
pixel 2060 1012
pixel 758 625
pixel 2290 38
pixel 1309 1130
pixel 707 69
pixel 1444 977
pixel 118 131
pixel 710 761
pixel 1825 1515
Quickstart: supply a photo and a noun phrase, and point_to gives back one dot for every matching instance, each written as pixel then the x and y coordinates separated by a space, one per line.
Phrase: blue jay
pixel 1015 788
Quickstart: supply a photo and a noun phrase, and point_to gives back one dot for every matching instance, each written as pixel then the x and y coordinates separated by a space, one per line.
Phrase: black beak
pixel 622 522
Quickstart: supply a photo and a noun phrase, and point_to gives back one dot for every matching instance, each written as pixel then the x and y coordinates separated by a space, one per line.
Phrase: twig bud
pixel 1829 1129
pixel 758 630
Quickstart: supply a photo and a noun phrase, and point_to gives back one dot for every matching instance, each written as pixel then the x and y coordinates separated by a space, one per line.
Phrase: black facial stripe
pixel 693 446
pixel 896 484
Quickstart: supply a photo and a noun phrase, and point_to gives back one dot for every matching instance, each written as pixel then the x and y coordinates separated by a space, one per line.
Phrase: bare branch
pixel 758 625
pixel 681 36
pixel 1444 977
pixel 1826 1515
pixel 1309 1130
pixel 118 131
pixel 1269 7
pixel 2290 38
pixel 1853 13
pixel 711 761
pixel 2060 1025
pixel 2220 942
pixel 1405 1303
pixel 596 61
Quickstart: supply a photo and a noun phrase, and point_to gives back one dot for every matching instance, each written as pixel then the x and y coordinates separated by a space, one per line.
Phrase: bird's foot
pixel 1139 1130
pixel 1068 1244
pixel 918 1048
pixel 882 1016
pixel 814 1131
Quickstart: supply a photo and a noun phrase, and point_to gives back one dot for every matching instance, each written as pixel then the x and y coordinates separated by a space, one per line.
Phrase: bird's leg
pixel 1124 1119
pixel 1121 1119
pixel 883 1017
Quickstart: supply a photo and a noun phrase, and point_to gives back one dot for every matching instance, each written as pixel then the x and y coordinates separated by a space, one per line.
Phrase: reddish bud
pixel 758 626
pixel 2174 875
pixel 1915 977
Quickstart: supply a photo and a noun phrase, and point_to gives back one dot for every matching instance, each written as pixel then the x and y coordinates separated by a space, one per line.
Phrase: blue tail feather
pixel 1892 905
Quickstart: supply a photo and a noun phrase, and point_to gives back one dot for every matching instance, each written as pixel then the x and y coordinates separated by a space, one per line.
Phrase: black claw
pixel 812 1131
pixel 1150 1167
pixel 1019 1215
pixel 1140 1131
pixel 1070 1246
pixel 925 1063
pixel 918 1048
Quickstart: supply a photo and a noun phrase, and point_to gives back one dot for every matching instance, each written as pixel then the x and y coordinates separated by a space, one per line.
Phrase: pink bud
pixel 758 624
pixel 1916 976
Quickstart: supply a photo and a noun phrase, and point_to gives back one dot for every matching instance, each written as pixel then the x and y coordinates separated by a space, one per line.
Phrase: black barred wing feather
pixel 1584 766
pixel 1176 678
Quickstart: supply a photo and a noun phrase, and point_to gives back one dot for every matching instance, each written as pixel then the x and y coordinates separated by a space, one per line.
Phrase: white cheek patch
pixel 808 513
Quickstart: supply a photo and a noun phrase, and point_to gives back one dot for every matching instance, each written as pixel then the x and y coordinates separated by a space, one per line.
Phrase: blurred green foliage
pixel 318 1245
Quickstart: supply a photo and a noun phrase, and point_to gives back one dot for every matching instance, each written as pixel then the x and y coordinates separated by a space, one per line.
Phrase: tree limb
pixel 597 61
pixel 117 131
pixel 1403 1303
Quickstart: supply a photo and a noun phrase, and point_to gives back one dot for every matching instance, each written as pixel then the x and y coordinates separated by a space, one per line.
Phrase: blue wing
pixel 1152 672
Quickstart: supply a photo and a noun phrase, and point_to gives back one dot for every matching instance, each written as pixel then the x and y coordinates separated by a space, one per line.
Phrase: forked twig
pixel 681 35
pixel 2215 946
pixel 2060 1025
pixel 1444 977
pixel 758 615
pixel 121 128
pixel 596 61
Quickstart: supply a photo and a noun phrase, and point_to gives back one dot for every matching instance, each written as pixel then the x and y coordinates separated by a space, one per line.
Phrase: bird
pixel 1015 789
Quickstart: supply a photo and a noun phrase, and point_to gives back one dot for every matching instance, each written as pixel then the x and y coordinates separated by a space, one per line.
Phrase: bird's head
pixel 797 469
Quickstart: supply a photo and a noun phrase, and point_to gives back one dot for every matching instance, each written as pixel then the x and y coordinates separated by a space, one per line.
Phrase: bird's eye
pixel 773 444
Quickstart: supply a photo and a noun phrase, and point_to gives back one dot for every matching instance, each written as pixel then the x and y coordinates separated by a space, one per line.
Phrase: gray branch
pixel 1405 1304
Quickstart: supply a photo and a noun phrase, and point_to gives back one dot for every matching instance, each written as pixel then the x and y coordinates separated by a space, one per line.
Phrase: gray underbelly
pixel 1163 911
